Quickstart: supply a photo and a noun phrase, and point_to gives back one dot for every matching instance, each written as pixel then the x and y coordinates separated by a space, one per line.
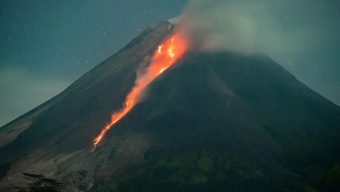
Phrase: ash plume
pixel 275 27
pixel 213 25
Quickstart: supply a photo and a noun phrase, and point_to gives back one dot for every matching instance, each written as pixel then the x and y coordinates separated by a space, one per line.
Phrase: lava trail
pixel 167 53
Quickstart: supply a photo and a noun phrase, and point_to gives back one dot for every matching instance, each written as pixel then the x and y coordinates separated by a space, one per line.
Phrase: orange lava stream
pixel 164 57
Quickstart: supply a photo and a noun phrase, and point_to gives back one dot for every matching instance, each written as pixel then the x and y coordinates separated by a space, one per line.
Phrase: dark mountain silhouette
pixel 216 121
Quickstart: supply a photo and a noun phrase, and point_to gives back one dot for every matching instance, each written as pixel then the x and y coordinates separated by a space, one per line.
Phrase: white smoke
pixel 301 35
pixel 215 25
pixel 270 26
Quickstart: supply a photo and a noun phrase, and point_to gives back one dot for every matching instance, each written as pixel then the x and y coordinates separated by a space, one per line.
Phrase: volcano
pixel 214 121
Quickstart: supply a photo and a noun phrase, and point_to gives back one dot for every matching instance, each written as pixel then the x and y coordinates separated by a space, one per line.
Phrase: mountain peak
pixel 214 121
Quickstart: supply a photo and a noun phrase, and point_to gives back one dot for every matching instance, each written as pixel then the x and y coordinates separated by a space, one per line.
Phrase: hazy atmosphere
pixel 46 45
pixel 160 95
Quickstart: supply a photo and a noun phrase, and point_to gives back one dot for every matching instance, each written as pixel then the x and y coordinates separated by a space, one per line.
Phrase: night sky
pixel 45 44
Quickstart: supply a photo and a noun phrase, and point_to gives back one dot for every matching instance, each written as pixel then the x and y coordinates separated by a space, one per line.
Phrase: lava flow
pixel 167 53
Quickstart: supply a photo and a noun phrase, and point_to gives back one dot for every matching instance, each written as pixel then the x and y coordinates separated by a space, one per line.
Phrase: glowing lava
pixel 164 57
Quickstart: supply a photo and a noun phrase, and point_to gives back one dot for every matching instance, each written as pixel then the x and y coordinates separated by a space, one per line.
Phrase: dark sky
pixel 46 44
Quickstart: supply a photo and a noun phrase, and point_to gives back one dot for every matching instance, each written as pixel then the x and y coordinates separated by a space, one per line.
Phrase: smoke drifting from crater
pixel 301 35
pixel 261 25
pixel 215 25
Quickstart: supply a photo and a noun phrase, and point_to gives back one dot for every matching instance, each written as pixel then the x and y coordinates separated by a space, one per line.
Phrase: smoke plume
pixel 301 35
pixel 261 25
pixel 214 25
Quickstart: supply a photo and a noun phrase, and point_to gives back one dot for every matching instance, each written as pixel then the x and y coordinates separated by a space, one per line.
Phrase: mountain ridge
pixel 215 121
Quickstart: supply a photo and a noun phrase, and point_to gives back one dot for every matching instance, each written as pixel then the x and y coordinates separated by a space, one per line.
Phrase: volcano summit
pixel 214 121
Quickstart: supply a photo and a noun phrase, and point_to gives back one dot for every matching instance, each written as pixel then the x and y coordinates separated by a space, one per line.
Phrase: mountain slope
pixel 215 122
pixel 240 123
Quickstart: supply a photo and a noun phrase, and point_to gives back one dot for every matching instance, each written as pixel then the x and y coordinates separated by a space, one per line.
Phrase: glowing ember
pixel 164 57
